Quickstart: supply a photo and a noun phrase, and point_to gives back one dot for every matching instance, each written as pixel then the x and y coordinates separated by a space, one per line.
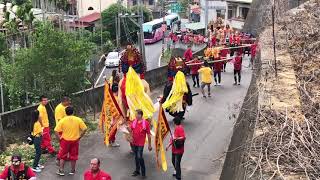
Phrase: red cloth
pixel 231 39
pixel 194 68
pixel 237 63
pixel 46 140
pixel 69 147
pixel 188 54
pixel 214 41
pixel 253 50
pixel 178 133
pixel 88 175
pixel 224 52
pixel 112 136
pixel 139 133
pixel 4 174
pixel 218 66
pixel 237 40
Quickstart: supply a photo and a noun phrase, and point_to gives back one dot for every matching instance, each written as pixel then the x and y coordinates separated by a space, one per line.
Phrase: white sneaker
pixel 114 144
pixel 37 170
pixel 40 166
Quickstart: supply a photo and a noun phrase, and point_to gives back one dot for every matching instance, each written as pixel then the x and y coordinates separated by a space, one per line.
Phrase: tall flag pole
pixel 162 130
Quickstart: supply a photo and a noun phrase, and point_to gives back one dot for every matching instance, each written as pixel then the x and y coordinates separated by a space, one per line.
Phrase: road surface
pixel 208 125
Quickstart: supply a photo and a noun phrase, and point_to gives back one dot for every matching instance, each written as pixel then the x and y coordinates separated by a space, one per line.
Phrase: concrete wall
pixel 18 121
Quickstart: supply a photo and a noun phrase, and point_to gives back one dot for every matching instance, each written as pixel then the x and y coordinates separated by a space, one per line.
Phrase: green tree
pixel 147 14
pixel 54 66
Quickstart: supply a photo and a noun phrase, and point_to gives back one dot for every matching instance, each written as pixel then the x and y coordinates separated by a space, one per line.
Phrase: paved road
pixel 209 125
pixel 153 52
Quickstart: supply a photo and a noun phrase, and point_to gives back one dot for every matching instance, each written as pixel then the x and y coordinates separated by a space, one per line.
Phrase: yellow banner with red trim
pixel 110 111
pixel 162 130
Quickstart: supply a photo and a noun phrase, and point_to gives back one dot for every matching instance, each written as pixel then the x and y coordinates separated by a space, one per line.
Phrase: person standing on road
pixel 95 173
pixel 253 52
pixel 188 54
pixel 139 129
pixel 37 136
pixel 44 121
pixel 177 143
pixel 217 66
pixel 72 129
pixel 223 54
pixel 206 78
pixel 194 71
pixel 60 112
pixel 17 170
pixel 114 85
pixel 237 64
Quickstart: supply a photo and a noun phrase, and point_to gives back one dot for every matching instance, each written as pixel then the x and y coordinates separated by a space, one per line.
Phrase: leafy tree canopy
pixel 54 66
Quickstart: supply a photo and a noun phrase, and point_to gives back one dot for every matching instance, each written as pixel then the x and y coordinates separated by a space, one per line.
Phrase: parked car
pixel 112 59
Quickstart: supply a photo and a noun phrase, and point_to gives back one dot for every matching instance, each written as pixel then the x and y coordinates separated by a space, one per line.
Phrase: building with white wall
pixel 237 11
pixel 215 9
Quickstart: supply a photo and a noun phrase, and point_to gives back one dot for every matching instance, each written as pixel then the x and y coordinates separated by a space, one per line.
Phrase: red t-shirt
pixel 194 68
pixel 217 66
pixel 139 133
pixel 99 176
pixel 237 63
pixel 188 54
pixel 178 132
pixel 224 52
pixel 237 40
pixel 253 49
pixel 4 173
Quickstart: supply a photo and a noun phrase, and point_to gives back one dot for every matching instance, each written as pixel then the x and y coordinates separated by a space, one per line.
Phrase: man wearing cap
pixel 17 170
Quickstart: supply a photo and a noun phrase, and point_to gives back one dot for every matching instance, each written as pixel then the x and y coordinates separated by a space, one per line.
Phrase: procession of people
pixel 128 108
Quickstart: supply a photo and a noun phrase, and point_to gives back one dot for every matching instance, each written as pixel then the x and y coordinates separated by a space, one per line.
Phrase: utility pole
pixel 274 39
pixel 141 45
pixel 164 25
pixel 1 92
pixel 2 139
pixel 206 16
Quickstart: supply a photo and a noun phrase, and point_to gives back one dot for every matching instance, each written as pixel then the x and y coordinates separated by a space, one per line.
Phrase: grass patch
pixel 166 57
pixel 27 151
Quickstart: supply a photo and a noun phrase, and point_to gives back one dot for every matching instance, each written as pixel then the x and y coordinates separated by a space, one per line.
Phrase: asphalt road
pixel 208 125
pixel 153 52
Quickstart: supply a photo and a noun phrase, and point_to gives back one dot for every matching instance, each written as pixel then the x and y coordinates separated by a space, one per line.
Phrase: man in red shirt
pixel 237 64
pixel 177 142
pixel 94 173
pixel 218 66
pixel 194 71
pixel 253 51
pixel 140 128
pixel 223 54
pixel 18 169
pixel 188 54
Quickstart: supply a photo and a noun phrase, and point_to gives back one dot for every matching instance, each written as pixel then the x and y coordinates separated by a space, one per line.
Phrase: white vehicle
pixel 112 60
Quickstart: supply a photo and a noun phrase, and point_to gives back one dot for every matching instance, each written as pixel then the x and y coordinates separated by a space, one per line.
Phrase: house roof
pixel 241 1
pixel 90 18
pixel 195 26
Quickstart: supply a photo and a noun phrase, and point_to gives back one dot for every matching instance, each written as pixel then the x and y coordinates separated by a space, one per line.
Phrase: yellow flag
pixel 110 109
pixel 162 130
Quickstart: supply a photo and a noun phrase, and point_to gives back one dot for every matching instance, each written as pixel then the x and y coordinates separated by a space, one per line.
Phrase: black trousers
pixel 235 73
pixel 138 153
pixel 37 147
pixel 176 162
pixel 195 78
pixel 217 77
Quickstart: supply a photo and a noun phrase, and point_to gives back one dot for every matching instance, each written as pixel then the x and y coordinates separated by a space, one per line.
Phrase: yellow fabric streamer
pixel 175 98
pixel 136 96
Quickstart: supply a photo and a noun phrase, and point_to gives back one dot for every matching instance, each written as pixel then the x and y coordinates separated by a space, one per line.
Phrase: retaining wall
pixel 18 121
pixel 256 22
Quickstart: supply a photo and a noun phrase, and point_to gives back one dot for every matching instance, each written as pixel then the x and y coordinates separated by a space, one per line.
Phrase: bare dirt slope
pixel 286 141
